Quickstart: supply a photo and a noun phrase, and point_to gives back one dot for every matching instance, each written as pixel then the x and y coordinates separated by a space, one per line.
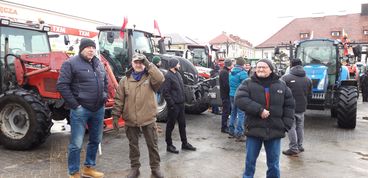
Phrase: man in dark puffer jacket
pixel 269 105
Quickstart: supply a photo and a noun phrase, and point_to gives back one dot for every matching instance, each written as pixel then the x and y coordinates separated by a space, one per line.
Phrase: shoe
pixel 290 152
pixel 225 130
pixel 172 149
pixel 301 149
pixel 241 138
pixel 75 175
pixel 157 173
pixel 188 146
pixel 133 173
pixel 217 113
pixel 231 135
pixel 91 172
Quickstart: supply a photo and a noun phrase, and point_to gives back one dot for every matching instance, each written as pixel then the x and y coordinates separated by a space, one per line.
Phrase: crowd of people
pixel 258 108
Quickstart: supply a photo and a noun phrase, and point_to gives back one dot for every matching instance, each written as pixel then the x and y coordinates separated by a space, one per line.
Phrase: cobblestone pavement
pixel 330 152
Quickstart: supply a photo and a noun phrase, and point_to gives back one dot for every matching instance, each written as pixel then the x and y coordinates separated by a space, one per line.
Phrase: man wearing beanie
pixel 157 61
pixel 237 116
pixel 300 86
pixel 269 105
pixel 135 102
pixel 83 85
pixel 224 92
pixel 173 92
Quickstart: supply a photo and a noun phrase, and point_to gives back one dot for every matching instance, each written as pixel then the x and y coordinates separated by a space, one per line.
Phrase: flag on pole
pixel 155 26
pixel 123 27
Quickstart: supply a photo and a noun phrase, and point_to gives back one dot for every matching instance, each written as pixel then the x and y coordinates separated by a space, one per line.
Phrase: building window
pixel 335 33
pixel 365 32
pixel 304 35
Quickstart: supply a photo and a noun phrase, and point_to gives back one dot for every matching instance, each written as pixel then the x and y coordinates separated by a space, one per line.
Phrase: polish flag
pixel 123 27
pixel 155 26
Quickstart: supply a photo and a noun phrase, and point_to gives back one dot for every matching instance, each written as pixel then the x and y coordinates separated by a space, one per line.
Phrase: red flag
pixel 123 27
pixel 155 26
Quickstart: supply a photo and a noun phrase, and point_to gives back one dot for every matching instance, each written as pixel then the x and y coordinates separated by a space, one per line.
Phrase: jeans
pixel 81 118
pixel 253 147
pixel 296 133
pixel 226 109
pixel 238 116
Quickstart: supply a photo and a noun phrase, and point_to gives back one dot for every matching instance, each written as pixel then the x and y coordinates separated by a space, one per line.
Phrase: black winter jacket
pixel 173 88
pixel 224 83
pixel 250 97
pixel 83 83
pixel 300 86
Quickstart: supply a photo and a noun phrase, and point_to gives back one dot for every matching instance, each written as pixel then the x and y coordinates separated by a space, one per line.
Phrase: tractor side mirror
pixel 110 37
pixel 277 50
pixel 66 40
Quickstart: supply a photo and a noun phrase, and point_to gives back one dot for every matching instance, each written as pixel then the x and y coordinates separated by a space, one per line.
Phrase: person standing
pixel 237 117
pixel 83 85
pixel 173 92
pixel 364 86
pixel 135 101
pixel 301 87
pixel 269 105
pixel 224 92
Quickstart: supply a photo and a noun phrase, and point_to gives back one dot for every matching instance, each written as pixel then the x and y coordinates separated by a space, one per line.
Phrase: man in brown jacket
pixel 135 101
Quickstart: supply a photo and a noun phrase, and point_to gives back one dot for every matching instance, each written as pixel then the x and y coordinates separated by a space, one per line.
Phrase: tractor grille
pixel 315 82
pixel 318 96
pixel 50 84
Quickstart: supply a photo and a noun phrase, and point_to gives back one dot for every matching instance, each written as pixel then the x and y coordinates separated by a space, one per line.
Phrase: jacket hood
pixel 298 71
pixel 236 69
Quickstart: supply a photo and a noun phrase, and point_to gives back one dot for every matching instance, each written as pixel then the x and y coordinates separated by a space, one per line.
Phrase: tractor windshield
pixel 317 52
pixel 23 41
pixel 141 42
pixel 200 57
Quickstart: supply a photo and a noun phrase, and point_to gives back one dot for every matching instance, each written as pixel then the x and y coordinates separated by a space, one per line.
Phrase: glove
pixel 116 124
pixel 146 62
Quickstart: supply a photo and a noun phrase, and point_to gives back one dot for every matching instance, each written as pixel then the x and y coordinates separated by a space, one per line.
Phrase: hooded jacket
pixel 136 100
pixel 250 97
pixel 300 86
pixel 237 75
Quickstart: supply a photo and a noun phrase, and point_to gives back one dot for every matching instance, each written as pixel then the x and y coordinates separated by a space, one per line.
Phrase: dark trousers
pixel 150 135
pixel 365 95
pixel 226 110
pixel 176 113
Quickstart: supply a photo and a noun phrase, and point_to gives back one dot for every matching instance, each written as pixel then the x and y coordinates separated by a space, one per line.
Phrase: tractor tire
pixel 162 109
pixel 347 107
pixel 25 120
pixel 196 108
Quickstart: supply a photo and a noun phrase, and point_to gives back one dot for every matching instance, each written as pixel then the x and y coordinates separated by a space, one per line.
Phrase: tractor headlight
pixel 321 84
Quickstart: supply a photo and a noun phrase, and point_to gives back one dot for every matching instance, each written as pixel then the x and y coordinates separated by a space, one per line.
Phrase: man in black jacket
pixel 173 92
pixel 301 87
pixel 269 105
pixel 83 85
pixel 224 92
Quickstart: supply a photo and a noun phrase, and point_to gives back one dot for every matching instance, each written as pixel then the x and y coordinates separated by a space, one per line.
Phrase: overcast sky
pixel 254 21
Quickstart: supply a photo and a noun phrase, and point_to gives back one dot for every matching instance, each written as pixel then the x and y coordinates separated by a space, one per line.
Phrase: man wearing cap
pixel 173 92
pixel 135 102
pixel 83 85
pixel 269 105
pixel 301 87
pixel 224 92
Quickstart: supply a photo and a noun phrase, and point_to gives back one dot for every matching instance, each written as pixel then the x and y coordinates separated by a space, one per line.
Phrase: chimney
pixel 364 10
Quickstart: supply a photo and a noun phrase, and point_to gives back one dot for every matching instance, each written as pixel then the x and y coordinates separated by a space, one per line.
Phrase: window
pixel 365 32
pixel 304 35
pixel 335 33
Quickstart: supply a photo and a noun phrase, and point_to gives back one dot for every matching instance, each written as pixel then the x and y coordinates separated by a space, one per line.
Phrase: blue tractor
pixel 332 87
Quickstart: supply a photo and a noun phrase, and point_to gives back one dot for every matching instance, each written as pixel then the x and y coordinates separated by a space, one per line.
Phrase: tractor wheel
pixel 196 108
pixel 162 109
pixel 347 107
pixel 25 121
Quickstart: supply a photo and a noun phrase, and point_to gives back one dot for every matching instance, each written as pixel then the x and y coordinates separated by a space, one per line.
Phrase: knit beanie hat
pixel 295 62
pixel 268 62
pixel 228 62
pixel 156 59
pixel 240 61
pixel 173 62
pixel 85 42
